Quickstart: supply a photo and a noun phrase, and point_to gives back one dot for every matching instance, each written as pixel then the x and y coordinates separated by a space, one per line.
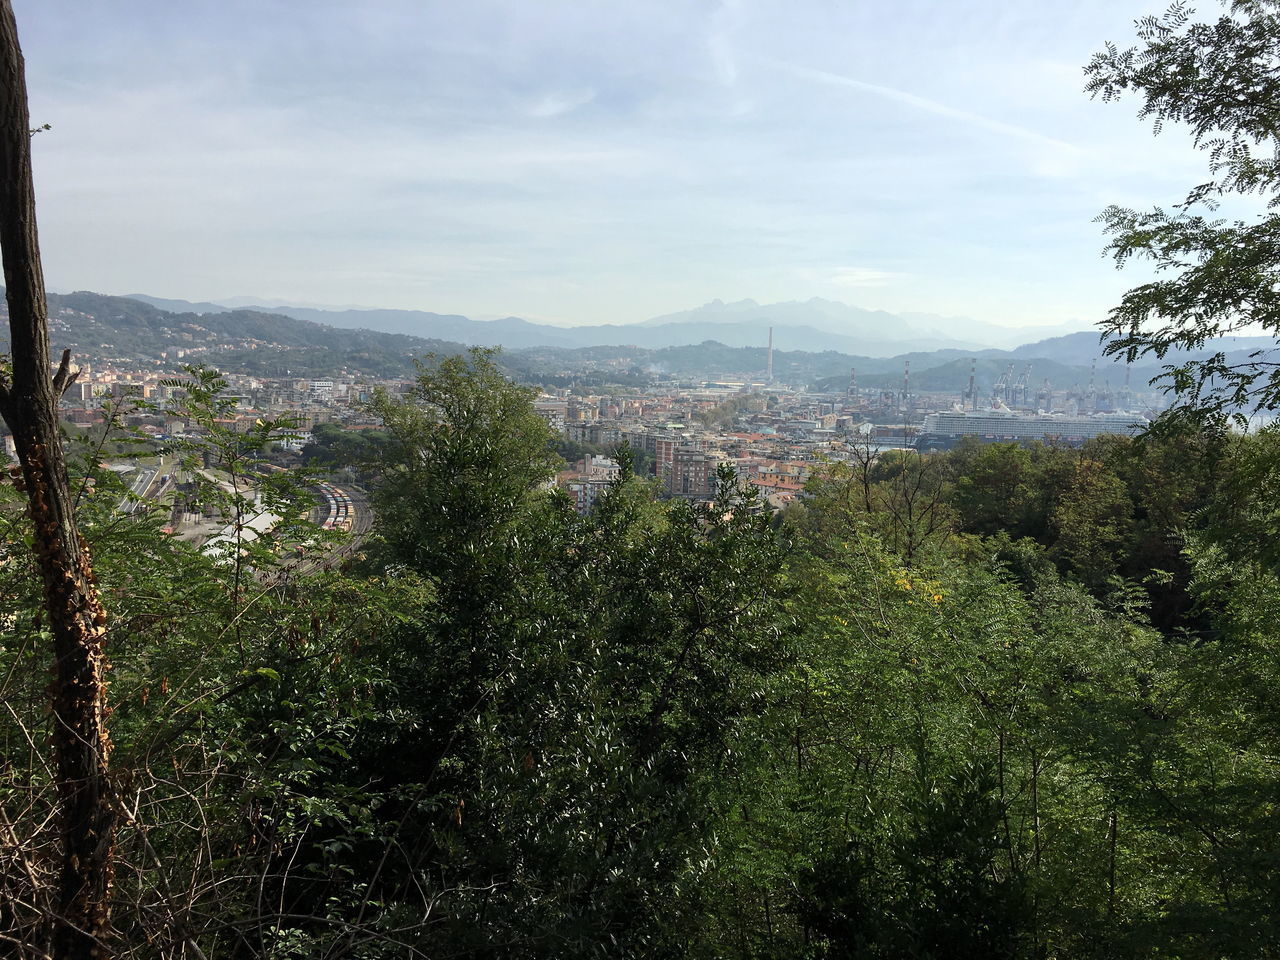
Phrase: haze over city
pixel 590 163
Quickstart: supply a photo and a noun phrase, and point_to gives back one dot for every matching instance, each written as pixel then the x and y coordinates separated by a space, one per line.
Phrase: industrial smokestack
pixel 768 373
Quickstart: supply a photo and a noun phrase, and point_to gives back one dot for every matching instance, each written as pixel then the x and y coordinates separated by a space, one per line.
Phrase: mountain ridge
pixel 813 325
pixel 99 327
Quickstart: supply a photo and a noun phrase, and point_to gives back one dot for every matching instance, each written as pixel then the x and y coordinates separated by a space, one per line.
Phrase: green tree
pixel 1090 522
pixel 935 775
pixel 236 695
pixel 469 454
pixel 561 706
pixel 333 448
pixel 1218 275
pixel 900 495
pixel 995 489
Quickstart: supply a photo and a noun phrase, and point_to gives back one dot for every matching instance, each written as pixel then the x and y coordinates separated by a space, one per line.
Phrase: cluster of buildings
pixel 681 434
pixel 682 438
pixel 139 397
pixel 775 437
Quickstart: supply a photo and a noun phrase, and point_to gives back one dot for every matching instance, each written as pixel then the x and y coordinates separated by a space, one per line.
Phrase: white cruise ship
pixel 997 425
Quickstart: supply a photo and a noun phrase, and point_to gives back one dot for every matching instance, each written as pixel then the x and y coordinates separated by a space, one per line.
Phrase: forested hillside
pixel 97 327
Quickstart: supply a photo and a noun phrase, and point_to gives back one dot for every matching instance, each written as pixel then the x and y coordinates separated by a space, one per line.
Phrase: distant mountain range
pixel 872 333
pixel 1084 348
pixel 813 325
pixel 98 328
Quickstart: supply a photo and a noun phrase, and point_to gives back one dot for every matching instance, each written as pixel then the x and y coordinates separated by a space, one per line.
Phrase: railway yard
pixel 159 485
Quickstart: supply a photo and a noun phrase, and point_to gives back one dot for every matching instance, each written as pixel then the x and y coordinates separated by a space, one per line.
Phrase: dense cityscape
pixel 773 434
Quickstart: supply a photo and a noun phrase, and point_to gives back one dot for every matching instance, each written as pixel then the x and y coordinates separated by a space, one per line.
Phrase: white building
pixel 996 425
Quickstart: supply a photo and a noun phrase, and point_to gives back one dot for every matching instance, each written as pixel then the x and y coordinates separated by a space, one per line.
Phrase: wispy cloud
pixel 592 161
pixel 922 103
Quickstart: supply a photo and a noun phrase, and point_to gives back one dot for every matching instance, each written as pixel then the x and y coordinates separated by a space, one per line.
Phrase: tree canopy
pixel 1216 275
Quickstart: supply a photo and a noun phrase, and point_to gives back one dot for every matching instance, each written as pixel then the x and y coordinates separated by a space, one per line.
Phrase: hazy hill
pixel 1086 347
pixel 187 306
pixel 866 331
pixel 97 327
pixel 510 332
pixel 814 325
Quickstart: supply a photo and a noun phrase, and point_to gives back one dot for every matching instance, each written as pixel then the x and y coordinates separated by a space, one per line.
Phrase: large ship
pixel 1004 425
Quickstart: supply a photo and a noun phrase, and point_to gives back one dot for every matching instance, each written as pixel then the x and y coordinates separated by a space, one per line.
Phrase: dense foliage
pixel 1001 702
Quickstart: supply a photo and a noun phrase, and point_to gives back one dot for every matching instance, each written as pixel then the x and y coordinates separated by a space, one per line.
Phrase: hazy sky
pixel 591 160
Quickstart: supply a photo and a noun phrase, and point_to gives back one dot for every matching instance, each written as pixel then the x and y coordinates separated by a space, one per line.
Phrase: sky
pixel 590 161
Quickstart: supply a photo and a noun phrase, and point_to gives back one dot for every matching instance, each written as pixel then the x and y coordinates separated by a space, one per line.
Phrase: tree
pixel 1090 521
pixel 29 405
pixel 564 704
pixel 899 494
pixel 1219 276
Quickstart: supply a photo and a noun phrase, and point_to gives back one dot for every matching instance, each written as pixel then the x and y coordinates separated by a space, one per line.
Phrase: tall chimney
pixel 769 369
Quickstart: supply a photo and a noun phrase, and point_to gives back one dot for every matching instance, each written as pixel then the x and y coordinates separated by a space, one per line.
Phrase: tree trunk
pixel 29 405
